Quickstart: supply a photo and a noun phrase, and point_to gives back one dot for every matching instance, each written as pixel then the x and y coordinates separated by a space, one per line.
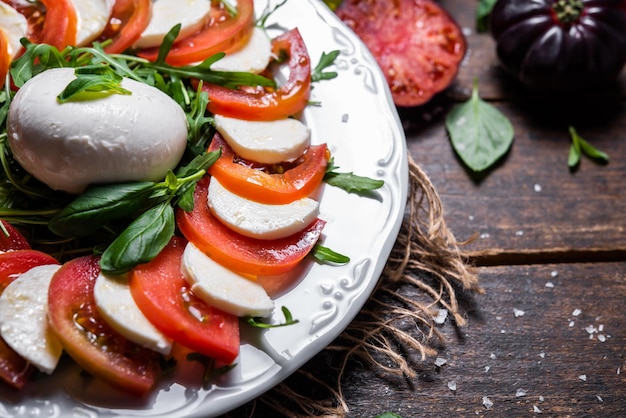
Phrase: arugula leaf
pixel 143 240
pixel 479 132
pixel 350 182
pixel 579 147
pixel 483 11
pixel 326 60
pixel 258 322
pixel 93 79
pixel 326 255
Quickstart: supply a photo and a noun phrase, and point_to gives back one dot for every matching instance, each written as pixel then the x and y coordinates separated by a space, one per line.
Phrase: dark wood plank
pixel 563 355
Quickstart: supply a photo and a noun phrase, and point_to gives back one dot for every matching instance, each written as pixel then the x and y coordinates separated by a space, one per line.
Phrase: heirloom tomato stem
pixel 568 11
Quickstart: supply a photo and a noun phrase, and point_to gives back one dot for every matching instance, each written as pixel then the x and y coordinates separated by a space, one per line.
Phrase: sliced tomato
pixel 222 33
pixel 60 25
pixel 163 295
pixel 243 254
pixel 14 369
pixel 417 44
pixel 255 184
pixel 11 239
pixel 264 103
pixel 129 19
pixel 5 58
pixel 88 339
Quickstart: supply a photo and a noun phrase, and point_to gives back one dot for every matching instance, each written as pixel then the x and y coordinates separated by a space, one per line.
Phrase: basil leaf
pixel 584 147
pixel 480 133
pixel 483 11
pixel 326 255
pixel 98 205
pixel 143 240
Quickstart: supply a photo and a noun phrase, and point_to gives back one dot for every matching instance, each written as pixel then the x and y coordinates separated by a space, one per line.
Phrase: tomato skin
pixel 5 58
pixel 223 33
pixel 14 369
pixel 545 50
pixel 417 44
pixel 129 19
pixel 60 25
pixel 14 240
pixel 295 183
pixel 264 104
pixel 163 295
pixel 238 253
pixel 71 305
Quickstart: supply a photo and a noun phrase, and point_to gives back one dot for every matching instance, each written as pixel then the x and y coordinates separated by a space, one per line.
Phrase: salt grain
pixel 541 399
pixel 518 312
pixel 601 338
pixel 520 392
pixel 440 361
pixel 599 398
pixel 452 385
pixel 549 284
pixel 487 368
pixel 591 329
pixel 571 323
pixel 537 188
pixel 492 356
pixel 442 315
pixel 487 402
pixel 542 355
pixel 576 312
pixel 484 235
pixel 536 409
pixel 519 233
pixel 583 377
pixel 554 273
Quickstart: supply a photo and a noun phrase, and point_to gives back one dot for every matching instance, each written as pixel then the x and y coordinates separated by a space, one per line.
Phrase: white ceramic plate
pixel 357 119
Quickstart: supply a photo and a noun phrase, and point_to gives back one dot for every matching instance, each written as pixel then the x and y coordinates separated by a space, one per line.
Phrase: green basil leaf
pixel 143 240
pixel 326 255
pixel 98 205
pixel 480 133
pixel 483 11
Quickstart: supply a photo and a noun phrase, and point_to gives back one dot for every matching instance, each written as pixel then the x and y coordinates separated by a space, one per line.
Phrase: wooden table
pixel 549 334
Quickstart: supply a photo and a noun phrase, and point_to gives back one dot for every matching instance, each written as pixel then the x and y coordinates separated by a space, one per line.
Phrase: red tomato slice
pixel 267 104
pixel 88 339
pixel 14 369
pixel 129 19
pixel 60 24
pixel 5 58
pixel 13 239
pixel 243 254
pixel 163 295
pixel 222 33
pixel 255 184
pixel 417 44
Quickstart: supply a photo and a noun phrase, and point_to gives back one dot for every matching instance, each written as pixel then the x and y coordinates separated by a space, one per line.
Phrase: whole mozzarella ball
pixel 104 138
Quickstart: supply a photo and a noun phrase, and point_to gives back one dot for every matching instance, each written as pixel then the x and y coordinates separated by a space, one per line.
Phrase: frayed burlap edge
pixel 427 258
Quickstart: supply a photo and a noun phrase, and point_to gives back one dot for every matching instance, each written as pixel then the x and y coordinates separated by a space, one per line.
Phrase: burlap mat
pixel 424 277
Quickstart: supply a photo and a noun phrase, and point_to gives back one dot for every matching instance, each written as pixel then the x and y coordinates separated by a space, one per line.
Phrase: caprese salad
pixel 150 145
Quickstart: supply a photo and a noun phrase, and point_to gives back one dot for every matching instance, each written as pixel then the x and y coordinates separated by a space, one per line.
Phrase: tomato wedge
pixel 14 369
pixel 254 184
pixel 129 19
pixel 417 44
pixel 269 104
pixel 238 253
pixel 163 295
pixel 222 33
pixel 88 339
pixel 11 239
pixel 5 58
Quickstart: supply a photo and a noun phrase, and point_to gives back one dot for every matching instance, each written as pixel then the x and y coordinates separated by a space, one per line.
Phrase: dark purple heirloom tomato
pixel 560 44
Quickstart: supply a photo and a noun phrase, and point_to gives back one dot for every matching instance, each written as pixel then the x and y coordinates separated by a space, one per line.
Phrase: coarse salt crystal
pixel 452 385
pixel 487 368
pixel 549 284
pixel 554 273
pixel 520 392
pixel 542 355
pixel 518 312
pixel 492 356
pixel 599 398
pixel 583 377
pixel 536 409
pixel 519 233
pixel 441 316
pixel 541 399
pixel 590 329
pixel 537 188
pixel 571 323
pixel 440 361
pixel 487 402
pixel 576 312
pixel 601 338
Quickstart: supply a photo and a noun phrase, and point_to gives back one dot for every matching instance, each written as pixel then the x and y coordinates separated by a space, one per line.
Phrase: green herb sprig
pixel 581 147
pixel 258 322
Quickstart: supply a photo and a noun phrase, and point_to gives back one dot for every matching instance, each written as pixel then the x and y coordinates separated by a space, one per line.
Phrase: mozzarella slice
pixel 14 26
pixel 166 14
pixel 104 139
pixel 223 288
pixel 265 142
pixel 115 303
pixel 92 17
pixel 24 318
pixel 254 57
pixel 259 220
